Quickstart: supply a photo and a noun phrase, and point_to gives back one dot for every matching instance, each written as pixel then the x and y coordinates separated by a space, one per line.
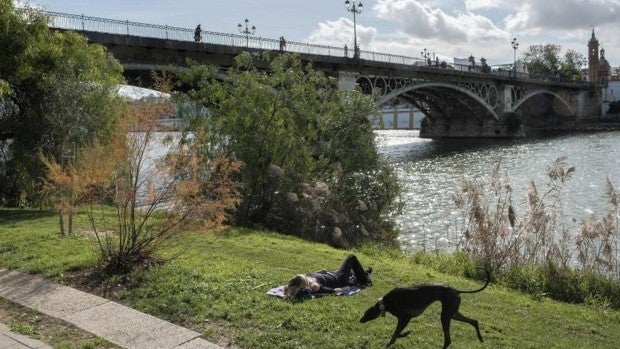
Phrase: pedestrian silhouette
pixel 282 43
pixel 346 50
pixel 198 33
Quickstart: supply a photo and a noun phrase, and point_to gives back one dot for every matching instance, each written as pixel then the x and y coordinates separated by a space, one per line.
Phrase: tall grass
pixel 535 251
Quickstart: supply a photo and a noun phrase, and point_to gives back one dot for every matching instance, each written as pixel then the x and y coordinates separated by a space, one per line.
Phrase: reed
pixel 536 251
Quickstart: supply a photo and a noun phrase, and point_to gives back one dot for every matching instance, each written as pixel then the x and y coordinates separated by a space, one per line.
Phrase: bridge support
pixel 504 102
pixel 588 105
pixel 347 80
pixel 468 128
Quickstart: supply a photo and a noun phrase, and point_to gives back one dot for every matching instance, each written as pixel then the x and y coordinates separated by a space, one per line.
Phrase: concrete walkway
pixel 118 324
pixel 12 340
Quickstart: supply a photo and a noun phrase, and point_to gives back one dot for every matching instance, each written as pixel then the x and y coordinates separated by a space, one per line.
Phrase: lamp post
pixel 515 46
pixel 247 31
pixel 425 55
pixel 355 7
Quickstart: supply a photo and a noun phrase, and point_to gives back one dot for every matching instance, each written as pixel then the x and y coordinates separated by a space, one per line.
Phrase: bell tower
pixel 593 58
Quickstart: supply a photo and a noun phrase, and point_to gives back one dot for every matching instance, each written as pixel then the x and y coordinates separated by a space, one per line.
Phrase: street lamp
pixel 355 7
pixel 425 55
pixel 247 31
pixel 515 46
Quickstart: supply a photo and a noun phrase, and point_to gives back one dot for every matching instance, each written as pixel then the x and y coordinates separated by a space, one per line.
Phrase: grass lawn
pixel 215 283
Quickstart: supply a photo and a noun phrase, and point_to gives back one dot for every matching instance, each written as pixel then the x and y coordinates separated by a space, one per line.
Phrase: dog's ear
pixel 381 307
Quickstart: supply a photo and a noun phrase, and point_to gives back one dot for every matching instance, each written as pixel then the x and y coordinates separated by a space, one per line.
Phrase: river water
pixel 429 171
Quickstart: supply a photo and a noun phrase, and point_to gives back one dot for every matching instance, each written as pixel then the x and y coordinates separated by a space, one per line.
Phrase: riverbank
pixel 216 284
pixel 430 170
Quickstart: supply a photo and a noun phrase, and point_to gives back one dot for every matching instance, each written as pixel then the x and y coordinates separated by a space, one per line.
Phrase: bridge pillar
pixel 395 119
pixel 346 80
pixel 504 103
pixel 588 105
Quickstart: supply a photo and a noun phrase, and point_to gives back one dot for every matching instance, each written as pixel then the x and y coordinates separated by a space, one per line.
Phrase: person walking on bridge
pixel 198 33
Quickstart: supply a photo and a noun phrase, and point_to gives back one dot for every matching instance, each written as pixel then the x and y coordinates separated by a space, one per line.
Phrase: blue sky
pixel 450 28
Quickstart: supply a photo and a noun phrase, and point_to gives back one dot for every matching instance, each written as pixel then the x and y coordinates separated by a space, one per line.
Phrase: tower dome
pixel 603 69
pixel 602 62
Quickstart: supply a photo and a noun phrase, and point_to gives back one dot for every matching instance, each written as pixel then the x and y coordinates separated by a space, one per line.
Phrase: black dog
pixel 408 302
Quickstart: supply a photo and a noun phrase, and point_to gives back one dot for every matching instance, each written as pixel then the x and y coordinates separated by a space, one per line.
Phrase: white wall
pixel 612 94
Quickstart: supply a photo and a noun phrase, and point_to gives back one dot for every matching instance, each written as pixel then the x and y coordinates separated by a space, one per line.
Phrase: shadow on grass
pixel 9 215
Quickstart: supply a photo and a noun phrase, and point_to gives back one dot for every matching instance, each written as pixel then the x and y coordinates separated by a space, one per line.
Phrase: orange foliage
pixel 154 197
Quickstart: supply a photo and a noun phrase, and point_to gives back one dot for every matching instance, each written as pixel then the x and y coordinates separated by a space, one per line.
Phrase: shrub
pixel 526 253
pixel 310 165
pixel 152 198
pixel 548 280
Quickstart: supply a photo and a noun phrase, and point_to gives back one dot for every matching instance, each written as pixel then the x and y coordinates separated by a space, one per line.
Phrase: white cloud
pixel 473 5
pixel 340 32
pixel 419 19
pixel 483 28
pixel 562 15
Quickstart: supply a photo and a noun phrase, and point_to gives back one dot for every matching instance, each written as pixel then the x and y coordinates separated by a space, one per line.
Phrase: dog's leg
pixel 449 307
pixel 460 317
pixel 402 323
pixel 446 316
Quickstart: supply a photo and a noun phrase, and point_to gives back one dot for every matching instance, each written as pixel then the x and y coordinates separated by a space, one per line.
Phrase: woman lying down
pixel 350 274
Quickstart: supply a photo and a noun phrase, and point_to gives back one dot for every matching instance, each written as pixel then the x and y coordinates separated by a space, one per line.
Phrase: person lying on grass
pixel 351 273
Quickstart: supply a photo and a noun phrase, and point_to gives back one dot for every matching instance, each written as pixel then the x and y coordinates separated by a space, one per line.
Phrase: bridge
pixel 455 100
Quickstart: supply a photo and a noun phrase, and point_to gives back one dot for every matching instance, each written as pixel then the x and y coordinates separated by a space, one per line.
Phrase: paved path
pixel 118 324
pixel 12 340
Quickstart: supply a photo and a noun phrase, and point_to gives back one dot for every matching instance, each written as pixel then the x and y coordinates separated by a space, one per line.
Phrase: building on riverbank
pixel 601 73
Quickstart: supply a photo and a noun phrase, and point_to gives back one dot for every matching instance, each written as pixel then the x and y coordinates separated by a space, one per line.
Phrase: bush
pixel 548 280
pixel 526 253
pixel 310 165
pixel 151 203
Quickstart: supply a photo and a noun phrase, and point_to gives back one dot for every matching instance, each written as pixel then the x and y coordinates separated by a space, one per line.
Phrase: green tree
pixel 310 163
pixel 56 94
pixel 546 60
pixel 570 67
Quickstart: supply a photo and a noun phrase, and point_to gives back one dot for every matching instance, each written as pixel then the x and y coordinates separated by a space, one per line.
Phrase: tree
pixel 546 61
pixel 310 162
pixel 570 68
pixel 136 202
pixel 485 67
pixel 56 92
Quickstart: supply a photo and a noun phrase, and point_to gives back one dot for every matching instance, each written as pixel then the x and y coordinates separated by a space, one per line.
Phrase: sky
pixel 448 28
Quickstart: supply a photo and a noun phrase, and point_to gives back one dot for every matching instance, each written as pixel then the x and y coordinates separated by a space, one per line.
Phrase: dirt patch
pixel 96 281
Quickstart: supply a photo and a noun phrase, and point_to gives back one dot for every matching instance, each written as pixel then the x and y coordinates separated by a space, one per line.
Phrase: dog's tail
pixel 483 287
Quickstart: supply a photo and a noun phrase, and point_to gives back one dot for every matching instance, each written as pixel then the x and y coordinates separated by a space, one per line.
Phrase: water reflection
pixel 429 171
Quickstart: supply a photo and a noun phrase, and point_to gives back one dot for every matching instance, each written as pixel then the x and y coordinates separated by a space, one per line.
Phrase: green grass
pixel 217 286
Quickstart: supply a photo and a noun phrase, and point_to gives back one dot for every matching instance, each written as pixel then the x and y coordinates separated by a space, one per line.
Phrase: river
pixel 429 171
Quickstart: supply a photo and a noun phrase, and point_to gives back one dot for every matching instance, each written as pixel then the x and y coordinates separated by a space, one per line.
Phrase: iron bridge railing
pixel 125 27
